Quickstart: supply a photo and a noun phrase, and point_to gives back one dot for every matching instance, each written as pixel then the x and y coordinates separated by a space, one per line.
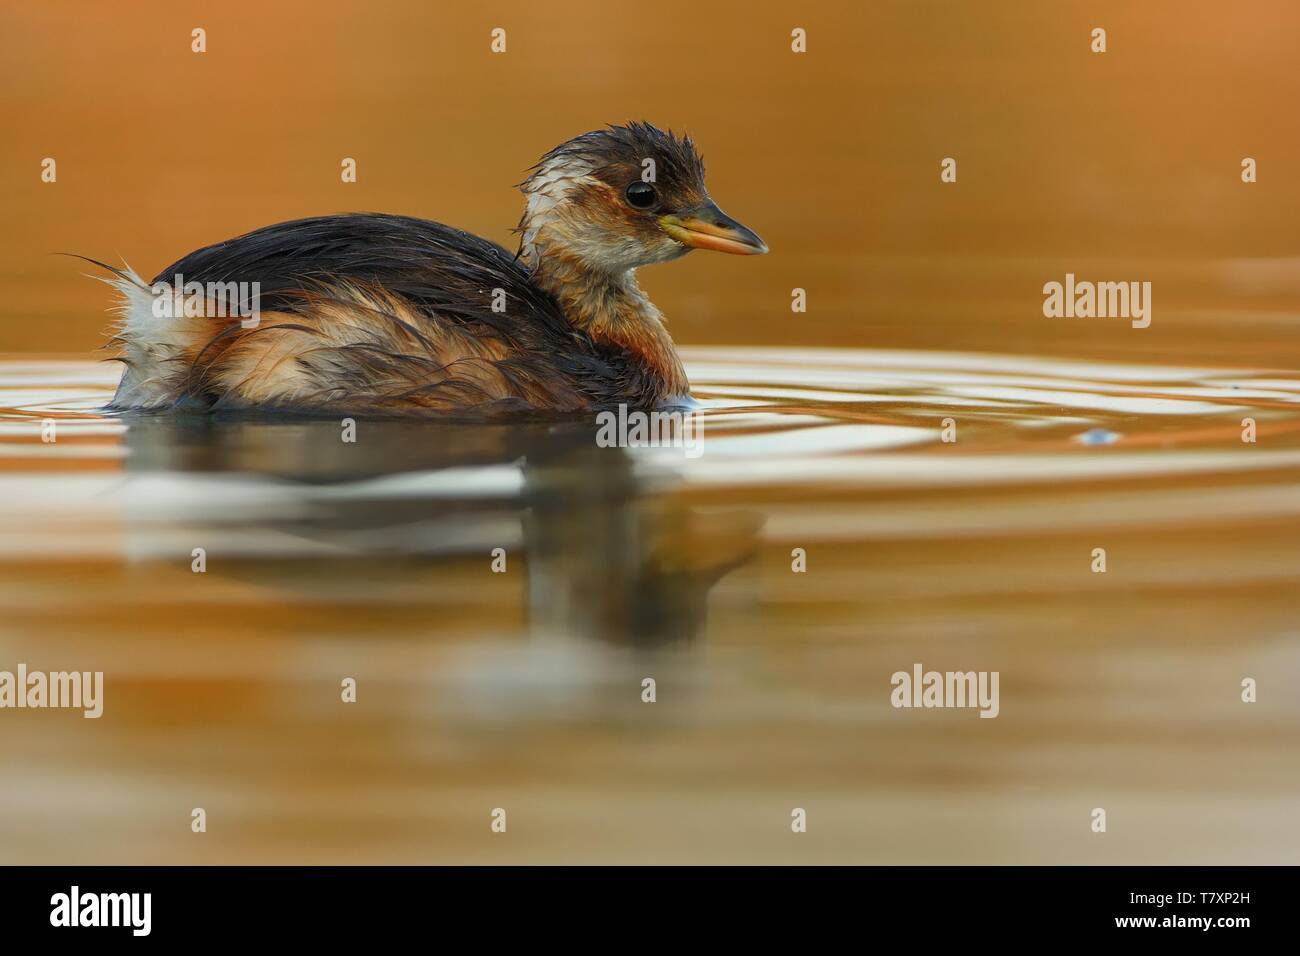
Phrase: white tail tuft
pixel 154 346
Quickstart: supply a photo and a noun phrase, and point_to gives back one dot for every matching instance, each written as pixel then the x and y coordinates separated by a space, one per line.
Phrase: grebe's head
pixel 623 197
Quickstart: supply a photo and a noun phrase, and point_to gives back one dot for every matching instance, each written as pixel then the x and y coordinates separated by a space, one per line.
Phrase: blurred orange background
pixel 1123 165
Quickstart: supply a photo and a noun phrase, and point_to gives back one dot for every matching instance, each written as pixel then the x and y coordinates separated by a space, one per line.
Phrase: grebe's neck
pixel 611 308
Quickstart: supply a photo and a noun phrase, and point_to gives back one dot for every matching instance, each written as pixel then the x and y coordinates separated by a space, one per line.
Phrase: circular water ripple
pixel 799 414
pixel 805 415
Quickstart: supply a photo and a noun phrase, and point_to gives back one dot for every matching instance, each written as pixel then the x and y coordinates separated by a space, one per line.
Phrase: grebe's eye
pixel 641 195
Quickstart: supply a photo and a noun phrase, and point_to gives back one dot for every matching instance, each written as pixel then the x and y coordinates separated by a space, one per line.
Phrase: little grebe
pixel 383 313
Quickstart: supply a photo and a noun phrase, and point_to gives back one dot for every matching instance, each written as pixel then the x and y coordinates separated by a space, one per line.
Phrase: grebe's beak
pixel 708 227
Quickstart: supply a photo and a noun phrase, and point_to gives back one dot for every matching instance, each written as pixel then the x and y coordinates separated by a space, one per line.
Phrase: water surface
pixel 522 689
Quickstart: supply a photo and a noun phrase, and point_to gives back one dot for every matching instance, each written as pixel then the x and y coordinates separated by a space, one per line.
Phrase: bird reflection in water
pixel 611 549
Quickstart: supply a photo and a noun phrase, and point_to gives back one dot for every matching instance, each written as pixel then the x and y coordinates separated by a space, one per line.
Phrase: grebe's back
pixel 380 313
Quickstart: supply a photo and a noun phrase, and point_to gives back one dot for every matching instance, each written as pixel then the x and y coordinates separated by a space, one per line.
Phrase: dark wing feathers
pixel 447 274
pixel 436 267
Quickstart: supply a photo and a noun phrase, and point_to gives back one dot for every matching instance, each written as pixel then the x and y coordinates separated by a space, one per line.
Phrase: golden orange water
pixel 824 432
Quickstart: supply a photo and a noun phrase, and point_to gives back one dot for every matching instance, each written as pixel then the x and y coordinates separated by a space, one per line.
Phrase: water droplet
pixel 1098 436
